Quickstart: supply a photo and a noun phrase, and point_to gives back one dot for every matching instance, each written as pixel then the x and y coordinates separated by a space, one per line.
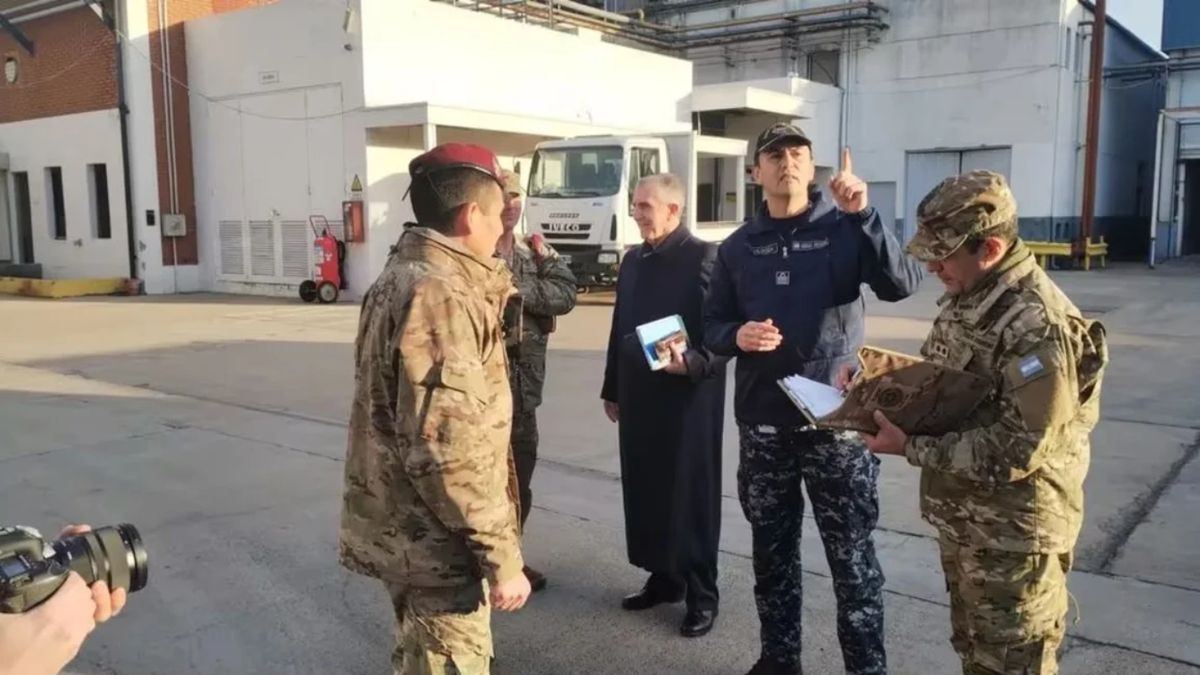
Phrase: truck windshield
pixel 576 172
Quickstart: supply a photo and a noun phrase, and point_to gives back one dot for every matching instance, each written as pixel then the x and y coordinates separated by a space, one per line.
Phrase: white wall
pixel 956 75
pixel 254 167
pixel 33 146
pixel 947 74
pixel 1181 138
pixel 276 133
pixel 140 79
pixel 425 51
pixel 1184 87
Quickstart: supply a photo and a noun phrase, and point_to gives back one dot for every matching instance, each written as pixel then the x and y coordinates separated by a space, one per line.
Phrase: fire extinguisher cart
pixel 329 255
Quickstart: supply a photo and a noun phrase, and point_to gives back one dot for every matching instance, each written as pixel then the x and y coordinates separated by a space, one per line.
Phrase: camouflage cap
pixel 512 182
pixel 959 207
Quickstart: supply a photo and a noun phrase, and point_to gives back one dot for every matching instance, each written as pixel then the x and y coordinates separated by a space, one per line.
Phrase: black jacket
pixel 808 281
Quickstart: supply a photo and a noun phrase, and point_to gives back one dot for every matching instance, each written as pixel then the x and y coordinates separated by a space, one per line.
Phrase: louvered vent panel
pixel 233 247
pixel 262 248
pixel 297 243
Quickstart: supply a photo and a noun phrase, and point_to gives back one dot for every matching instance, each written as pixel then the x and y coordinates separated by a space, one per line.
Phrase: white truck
pixel 580 193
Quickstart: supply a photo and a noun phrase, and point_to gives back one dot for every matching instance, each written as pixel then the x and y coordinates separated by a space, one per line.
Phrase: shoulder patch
pixel 1031 365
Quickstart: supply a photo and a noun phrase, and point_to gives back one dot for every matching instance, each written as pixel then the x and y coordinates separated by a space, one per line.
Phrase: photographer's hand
pixel 45 639
pixel 108 604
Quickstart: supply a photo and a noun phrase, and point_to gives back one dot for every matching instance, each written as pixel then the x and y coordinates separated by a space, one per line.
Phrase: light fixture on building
pixel 10 69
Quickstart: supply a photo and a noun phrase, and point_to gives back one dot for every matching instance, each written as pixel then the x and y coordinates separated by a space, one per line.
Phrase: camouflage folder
pixel 919 396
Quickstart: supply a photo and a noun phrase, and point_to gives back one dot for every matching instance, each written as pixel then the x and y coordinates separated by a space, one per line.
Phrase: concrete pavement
pixel 215 424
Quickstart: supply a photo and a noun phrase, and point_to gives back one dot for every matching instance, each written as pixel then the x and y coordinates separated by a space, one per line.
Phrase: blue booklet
pixel 657 338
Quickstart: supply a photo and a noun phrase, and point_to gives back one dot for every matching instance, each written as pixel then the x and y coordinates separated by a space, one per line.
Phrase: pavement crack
pixel 1133 650
pixel 273 444
pixel 823 575
pixel 1150 423
pixel 1133 515
pixel 564 514
pixel 212 399
pixel 81 446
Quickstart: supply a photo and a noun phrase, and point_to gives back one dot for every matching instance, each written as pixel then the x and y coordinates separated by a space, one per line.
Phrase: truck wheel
pixel 308 290
pixel 327 292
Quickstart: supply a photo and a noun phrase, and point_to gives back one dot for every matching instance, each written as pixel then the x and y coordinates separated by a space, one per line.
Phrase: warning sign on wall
pixel 356 188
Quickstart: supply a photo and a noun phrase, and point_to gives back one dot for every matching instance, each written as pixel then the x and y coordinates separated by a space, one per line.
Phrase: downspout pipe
pixel 1158 150
pixel 1091 150
pixel 126 165
pixel 110 22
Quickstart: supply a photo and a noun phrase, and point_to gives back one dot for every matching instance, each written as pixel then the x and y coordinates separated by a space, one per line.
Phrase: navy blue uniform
pixel 806 274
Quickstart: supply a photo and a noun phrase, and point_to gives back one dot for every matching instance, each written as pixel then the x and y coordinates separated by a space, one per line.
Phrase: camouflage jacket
pixel 1011 477
pixel 547 290
pixel 430 495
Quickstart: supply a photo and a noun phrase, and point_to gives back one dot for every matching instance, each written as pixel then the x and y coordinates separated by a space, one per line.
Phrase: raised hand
pixel 848 190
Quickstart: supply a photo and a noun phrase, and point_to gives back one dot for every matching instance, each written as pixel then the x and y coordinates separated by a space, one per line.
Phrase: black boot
pixel 767 666
pixel 698 622
pixel 649 597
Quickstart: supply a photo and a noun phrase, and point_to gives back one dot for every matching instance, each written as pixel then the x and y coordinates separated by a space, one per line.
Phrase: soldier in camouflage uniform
pixel 546 289
pixel 430 504
pixel 785 299
pixel 1005 490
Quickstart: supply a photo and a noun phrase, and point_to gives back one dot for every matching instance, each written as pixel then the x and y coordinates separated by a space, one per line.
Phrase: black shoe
pixel 767 666
pixel 698 622
pixel 537 580
pixel 647 598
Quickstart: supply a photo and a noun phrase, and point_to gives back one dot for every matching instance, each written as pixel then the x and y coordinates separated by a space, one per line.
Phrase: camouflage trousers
pixel 524 448
pixel 1007 609
pixel 442 631
pixel 840 476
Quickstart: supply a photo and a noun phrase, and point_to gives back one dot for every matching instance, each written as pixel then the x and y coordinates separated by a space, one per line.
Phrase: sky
pixel 1143 17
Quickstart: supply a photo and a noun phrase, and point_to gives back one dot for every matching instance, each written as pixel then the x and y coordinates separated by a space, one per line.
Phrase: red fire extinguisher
pixel 327 272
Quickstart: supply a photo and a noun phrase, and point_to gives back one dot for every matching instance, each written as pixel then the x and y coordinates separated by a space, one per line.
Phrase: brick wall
pixel 74 70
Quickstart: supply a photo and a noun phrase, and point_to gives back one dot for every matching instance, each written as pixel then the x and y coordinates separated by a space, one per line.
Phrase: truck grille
pixel 577 249
pixel 559 231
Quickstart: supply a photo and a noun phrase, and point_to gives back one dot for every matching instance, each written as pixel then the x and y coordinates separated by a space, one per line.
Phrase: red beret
pixel 455 155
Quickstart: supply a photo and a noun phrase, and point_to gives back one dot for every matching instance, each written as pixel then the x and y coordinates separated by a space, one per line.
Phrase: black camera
pixel 31 569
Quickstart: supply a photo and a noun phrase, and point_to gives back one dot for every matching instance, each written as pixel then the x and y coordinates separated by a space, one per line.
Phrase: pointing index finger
pixel 847 163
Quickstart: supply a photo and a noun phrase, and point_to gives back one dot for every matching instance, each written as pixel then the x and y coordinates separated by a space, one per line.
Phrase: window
pixel 576 172
pixel 57 216
pixel 23 211
pixel 1082 43
pixel 98 186
pixel 642 162
pixel 823 66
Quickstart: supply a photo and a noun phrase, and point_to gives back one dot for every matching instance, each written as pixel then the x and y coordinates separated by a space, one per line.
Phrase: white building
pixel 936 87
pixel 1177 211
pixel 278 115
pixel 289 124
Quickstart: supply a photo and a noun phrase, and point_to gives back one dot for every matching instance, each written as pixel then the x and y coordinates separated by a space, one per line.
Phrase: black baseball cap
pixel 778 132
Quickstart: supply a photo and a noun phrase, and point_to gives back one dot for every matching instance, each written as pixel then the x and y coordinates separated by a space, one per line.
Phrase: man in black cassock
pixel 669 420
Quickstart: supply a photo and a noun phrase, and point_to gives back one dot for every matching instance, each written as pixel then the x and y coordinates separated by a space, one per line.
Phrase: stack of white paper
pixel 816 399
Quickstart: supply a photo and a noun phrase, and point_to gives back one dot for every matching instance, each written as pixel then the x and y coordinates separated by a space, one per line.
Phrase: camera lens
pixel 135 556
pixel 114 555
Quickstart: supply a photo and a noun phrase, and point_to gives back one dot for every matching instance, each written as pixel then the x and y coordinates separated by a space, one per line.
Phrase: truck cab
pixel 580 193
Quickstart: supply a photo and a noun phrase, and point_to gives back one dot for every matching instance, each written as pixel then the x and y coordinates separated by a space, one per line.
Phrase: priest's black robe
pixel 669 425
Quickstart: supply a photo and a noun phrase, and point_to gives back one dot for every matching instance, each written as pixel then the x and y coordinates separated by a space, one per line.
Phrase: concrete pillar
pixel 135 22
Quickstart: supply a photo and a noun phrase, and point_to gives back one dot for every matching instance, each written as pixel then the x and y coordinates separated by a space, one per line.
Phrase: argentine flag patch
pixel 1031 365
